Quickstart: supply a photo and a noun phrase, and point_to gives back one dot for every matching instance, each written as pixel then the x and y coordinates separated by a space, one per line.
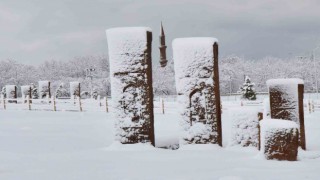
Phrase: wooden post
pixel 162 105
pixel 54 103
pixel 80 104
pixel 28 101
pixel 309 106
pixel 4 101
pixel 99 100
pixel 260 117
pixel 106 100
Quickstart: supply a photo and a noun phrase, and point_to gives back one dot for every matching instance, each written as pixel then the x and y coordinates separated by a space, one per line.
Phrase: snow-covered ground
pixel 79 145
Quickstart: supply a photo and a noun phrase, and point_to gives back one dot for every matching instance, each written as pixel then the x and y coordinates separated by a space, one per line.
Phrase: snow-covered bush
pixel 62 91
pixel 131 83
pixel 245 127
pixel 85 95
pixel 196 87
pixel 247 90
pixel 3 92
pixel 34 92
pixel 94 93
pixel 44 89
pixel 75 88
pixel 279 139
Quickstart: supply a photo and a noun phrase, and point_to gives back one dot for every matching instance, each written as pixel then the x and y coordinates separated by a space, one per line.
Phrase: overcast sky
pixel 32 31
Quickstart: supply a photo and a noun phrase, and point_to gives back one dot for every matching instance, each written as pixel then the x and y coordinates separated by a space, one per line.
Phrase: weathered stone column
pixel 197 81
pixel 26 91
pixel 75 89
pixel 286 102
pixel 44 89
pixel 11 92
pixel 131 83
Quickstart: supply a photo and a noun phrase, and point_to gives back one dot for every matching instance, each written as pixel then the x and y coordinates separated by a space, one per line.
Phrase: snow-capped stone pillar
pixel 279 139
pixel 44 89
pixel 197 80
pixel 75 89
pixel 131 83
pixel 11 92
pixel 26 91
pixel 286 102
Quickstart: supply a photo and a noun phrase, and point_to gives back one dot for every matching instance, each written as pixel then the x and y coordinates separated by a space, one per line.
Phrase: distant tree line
pixel 233 70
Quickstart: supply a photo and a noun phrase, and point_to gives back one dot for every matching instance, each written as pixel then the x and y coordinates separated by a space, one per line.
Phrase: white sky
pixel 33 31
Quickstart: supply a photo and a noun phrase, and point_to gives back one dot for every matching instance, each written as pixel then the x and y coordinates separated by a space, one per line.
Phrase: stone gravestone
pixel 26 91
pixel 286 102
pixel 279 139
pixel 131 83
pixel 75 89
pixel 44 89
pixel 11 92
pixel 197 80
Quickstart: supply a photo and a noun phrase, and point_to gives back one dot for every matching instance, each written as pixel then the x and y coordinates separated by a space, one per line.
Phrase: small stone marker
pixel 44 89
pixel 279 139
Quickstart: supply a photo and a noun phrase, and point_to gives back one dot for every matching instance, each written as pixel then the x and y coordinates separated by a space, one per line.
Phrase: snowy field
pixel 79 145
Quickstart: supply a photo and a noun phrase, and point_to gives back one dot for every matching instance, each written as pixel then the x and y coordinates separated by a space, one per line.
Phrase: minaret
pixel 162 47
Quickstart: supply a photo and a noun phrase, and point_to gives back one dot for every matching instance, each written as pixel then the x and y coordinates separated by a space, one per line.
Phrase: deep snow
pixel 79 145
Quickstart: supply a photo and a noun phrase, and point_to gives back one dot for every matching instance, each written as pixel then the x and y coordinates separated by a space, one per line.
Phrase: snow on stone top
pixel 125 46
pixel 277 123
pixel 194 42
pixel 193 56
pixel 288 81
pixel 10 87
pixel 41 83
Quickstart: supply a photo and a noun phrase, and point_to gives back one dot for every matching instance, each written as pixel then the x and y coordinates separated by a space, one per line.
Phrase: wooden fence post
pixel 54 103
pixel 106 101
pixel 99 100
pixel 28 101
pixel 4 101
pixel 162 105
pixel 80 104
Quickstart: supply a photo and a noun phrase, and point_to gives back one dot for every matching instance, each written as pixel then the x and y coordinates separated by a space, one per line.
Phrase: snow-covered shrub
pixel 44 89
pixel 85 95
pixel 197 82
pixel 247 90
pixel 94 93
pixel 279 139
pixel 3 92
pixel 131 83
pixel 62 91
pixel 245 127
pixel 34 92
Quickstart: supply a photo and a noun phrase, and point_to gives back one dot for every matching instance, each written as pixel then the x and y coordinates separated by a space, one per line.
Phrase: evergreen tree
pixel 247 90
pixel 34 92
pixel 62 91
pixel 3 92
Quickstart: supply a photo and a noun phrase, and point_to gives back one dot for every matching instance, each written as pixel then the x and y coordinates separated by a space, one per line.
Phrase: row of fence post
pixel 53 101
